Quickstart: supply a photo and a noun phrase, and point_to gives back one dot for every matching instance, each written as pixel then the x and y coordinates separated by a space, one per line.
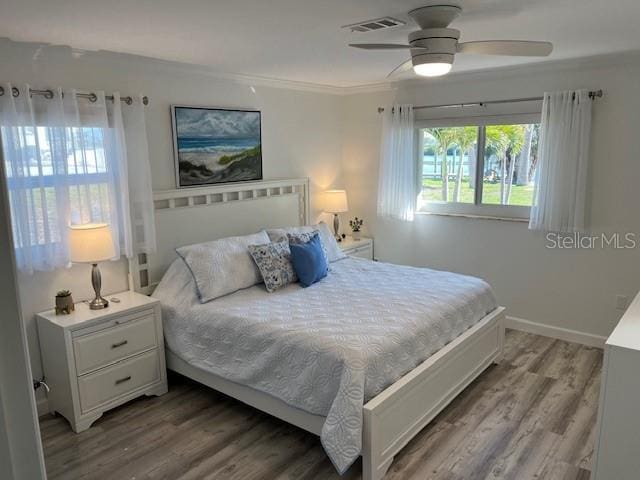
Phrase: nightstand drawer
pixel 112 322
pixel 110 383
pixel 362 252
pixel 96 350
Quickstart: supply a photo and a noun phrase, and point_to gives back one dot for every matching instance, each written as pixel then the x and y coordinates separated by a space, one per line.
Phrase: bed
pixel 365 358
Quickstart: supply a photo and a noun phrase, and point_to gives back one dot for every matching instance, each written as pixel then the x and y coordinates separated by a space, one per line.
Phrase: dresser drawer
pixel 96 350
pixel 112 382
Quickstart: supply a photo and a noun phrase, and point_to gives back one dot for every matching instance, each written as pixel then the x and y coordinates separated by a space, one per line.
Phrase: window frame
pixel 477 208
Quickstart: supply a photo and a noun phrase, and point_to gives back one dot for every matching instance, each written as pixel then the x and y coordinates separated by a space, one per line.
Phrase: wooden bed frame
pixel 393 417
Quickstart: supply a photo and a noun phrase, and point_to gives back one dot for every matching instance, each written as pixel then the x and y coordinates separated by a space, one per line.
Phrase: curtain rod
pixel 592 95
pixel 92 97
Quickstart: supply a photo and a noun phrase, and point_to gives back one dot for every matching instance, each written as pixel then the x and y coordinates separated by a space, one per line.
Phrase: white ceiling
pixel 301 40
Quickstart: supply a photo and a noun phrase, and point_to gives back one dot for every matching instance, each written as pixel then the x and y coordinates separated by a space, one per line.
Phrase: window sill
pixel 475 216
pixel 514 213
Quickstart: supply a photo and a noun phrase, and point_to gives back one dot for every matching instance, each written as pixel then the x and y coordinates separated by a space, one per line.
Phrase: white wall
pixel 568 289
pixel 301 134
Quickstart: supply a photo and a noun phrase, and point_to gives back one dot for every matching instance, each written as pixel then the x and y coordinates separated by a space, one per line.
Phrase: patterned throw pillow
pixel 305 237
pixel 274 262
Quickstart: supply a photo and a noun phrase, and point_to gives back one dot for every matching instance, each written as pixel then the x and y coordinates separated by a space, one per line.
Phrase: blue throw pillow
pixel 309 261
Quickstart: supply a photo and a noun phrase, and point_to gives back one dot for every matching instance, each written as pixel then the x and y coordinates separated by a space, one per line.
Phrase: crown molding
pixel 255 80
pixel 370 88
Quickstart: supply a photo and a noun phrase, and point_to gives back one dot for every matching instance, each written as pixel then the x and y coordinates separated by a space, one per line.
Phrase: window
pixel 485 168
pixel 59 167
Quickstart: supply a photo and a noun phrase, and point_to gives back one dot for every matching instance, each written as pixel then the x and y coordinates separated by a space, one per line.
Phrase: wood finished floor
pixel 531 417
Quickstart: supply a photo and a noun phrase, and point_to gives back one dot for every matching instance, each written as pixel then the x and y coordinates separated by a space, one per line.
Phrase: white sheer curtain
pixel 397 194
pixel 74 161
pixel 563 157
pixel 140 190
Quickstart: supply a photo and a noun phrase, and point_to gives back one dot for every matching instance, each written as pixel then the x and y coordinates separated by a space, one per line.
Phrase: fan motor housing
pixel 436 45
pixel 434 41
pixel 421 58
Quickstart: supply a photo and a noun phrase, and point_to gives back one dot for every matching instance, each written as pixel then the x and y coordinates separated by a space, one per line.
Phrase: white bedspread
pixel 329 348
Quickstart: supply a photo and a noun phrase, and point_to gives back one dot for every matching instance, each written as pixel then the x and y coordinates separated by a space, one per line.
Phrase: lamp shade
pixel 91 243
pixel 335 201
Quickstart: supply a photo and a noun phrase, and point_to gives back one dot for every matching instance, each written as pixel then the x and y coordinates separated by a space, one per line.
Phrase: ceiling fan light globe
pixel 432 69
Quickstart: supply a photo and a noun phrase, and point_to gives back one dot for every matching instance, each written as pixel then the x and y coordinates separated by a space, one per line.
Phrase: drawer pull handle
pixel 122 380
pixel 119 344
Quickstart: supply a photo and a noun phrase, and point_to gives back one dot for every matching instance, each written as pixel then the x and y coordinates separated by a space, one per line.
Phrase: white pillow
pixel 326 237
pixel 223 266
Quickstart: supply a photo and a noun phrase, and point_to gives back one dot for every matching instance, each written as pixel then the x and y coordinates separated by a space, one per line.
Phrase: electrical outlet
pixel 621 302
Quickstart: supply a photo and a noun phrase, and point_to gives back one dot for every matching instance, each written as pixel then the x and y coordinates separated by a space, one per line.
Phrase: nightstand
pixel 362 248
pixel 95 360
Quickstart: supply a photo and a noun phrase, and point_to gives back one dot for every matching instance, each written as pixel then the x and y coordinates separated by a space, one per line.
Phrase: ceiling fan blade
pixel 516 48
pixel 403 67
pixel 380 46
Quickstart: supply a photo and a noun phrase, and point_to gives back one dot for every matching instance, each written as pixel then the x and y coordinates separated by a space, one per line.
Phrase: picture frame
pixel 215 145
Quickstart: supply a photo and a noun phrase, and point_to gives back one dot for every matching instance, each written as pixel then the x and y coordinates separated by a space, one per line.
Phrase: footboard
pixel 396 415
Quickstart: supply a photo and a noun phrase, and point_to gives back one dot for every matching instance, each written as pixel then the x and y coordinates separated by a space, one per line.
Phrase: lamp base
pixel 98 303
pixel 336 227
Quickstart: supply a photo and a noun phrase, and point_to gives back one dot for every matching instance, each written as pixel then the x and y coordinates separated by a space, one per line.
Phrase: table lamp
pixel 92 243
pixel 335 201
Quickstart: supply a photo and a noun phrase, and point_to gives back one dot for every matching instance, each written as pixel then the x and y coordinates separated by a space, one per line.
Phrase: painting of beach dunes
pixel 215 146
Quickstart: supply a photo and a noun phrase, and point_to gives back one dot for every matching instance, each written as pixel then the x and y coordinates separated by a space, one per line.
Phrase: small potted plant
pixel 64 303
pixel 356 225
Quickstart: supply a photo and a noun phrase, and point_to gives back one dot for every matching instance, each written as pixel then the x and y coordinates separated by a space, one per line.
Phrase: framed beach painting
pixel 216 145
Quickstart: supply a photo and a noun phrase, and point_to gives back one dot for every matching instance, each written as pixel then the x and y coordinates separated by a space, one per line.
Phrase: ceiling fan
pixel 434 46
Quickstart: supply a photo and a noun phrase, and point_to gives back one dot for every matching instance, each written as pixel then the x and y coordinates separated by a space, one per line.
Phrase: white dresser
pixel 617 454
pixel 362 248
pixel 95 360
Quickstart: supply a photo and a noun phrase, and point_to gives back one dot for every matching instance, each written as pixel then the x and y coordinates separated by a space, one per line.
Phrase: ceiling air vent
pixel 377 24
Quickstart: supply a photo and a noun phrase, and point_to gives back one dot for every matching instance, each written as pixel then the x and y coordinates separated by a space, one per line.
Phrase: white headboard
pixel 195 215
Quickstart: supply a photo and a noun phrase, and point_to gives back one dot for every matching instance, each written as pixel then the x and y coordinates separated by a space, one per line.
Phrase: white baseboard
pixel 560 333
pixel 42 406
